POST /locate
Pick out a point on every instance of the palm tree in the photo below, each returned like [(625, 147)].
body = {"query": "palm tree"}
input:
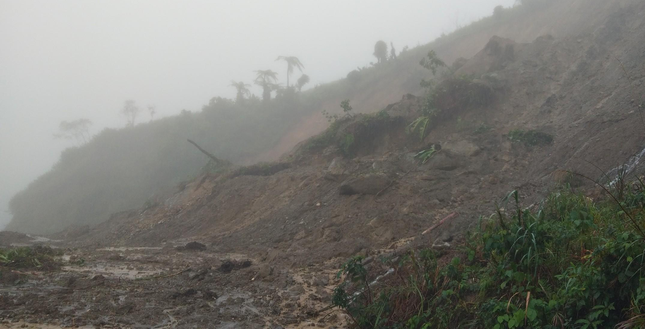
[(242, 90), (266, 79), (292, 61)]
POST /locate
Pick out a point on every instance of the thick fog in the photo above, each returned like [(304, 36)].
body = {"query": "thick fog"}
[(67, 60)]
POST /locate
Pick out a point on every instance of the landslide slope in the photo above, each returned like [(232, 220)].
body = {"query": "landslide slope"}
[(123, 169), (359, 187)]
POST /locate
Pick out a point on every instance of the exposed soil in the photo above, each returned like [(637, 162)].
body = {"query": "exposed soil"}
[(273, 236)]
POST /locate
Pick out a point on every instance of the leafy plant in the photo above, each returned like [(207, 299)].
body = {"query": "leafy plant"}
[(571, 263), (425, 155), (29, 257)]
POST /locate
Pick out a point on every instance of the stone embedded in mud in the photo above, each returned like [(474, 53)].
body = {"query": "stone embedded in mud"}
[(337, 166), (229, 265), (444, 161), (192, 246), (462, 147), (365, 184)]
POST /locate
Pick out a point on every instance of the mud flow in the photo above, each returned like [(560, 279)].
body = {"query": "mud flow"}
[(154, 287)]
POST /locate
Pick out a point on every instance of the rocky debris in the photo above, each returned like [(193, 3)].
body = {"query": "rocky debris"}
[(229, 265), (192, 246), (337, 169), (444, 160), (365, 184), (462, 147)]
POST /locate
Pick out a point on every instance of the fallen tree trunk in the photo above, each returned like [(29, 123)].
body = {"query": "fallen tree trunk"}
[(214, 158)]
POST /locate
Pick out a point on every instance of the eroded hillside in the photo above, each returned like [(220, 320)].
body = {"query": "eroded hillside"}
[(124, 169), (512, 117)]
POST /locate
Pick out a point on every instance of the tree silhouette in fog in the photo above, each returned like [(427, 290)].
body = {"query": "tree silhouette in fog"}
[(130, 111), (292, 62), (77, 130), (242, 90), (380, 51), (303, 80), (266, 79)]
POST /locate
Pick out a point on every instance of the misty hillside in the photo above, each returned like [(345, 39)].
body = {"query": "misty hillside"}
[(493, 178), (123, 169)]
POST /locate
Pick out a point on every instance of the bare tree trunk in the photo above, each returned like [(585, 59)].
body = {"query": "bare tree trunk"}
[(218, 161)]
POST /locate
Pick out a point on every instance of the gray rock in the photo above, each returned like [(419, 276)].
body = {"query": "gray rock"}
[(365, 184), (444, 161), (464, 148)]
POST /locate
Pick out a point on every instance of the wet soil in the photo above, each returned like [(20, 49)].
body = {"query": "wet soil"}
[(166, 288)]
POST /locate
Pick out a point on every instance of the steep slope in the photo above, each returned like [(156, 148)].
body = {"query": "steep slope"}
[(337, 195), (126, 168), (385, 84), (275, 234)]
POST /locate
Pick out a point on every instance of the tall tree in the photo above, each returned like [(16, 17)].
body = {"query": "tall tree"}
[(242, 90), (266, 79), (292, 62), (392, 51), (77, 130), (130, 111), (303, 80), (152, 110), (380, 51)]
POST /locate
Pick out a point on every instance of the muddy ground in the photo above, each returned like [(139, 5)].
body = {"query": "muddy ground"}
[(167, 287)]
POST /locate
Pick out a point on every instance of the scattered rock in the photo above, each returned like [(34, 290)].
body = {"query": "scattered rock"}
[(462, 147), (192, 246), (186, 293), (337, 166), (365, 184), (444, 161), (229, 265)]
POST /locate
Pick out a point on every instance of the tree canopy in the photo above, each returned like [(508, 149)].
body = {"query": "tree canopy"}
[(380, 51)]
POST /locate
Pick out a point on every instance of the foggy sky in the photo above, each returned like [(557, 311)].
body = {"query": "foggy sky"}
[(65, 60)]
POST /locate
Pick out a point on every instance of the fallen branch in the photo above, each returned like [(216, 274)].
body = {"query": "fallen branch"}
[(454, 214), (218, 161)]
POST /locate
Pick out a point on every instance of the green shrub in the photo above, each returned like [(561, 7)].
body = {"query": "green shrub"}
[(572, 263), (29, 258)]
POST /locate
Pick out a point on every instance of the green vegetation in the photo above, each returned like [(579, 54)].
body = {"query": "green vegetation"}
[(446, 99), (349, 132), (29, 258), (426, 154), (571, 263), (530, 137)]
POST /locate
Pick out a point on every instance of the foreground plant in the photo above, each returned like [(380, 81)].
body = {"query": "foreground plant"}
[(571, 263)]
